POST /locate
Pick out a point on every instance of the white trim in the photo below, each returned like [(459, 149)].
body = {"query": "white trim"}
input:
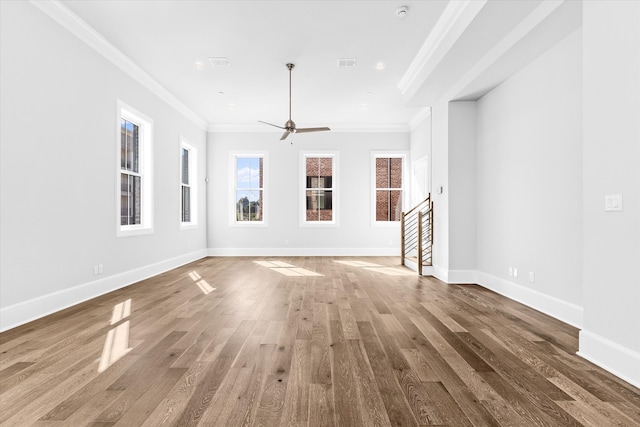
[(145, 125), (441, 273), (562, 310), (193, 184), (81, 29), (27, 311), (463, 277), (262, 128), (233, 175), (420, 117), (527, 25), (232, 252), (335, 189), (454, 20), (606, 353)]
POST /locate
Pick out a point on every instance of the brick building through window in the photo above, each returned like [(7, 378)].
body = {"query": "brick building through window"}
[(389, 188), (319, 188)]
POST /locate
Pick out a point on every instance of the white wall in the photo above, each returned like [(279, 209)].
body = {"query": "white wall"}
[(462, 185), (440, 178), (611, 165), (420, 148), (58, 172), (529, 175), (354, 234)]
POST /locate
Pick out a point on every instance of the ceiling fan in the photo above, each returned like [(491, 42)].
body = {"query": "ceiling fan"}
[(290, 127)]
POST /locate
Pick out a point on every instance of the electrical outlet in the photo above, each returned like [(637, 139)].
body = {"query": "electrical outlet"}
[(515, 272), (100, 269), (532, 276), (510, 271), (95, 270)]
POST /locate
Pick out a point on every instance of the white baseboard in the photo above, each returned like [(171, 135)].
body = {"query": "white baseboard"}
[(554, 307), (303, 252), (463, 277), (441, 273), (606, 353), (27, 311)]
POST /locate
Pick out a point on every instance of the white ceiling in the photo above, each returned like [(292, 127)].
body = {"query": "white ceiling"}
[(166, 38)]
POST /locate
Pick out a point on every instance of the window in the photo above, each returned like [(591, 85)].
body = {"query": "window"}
[(248, 188), (389, 189), (135, 172), (319, 188), (188, 188)]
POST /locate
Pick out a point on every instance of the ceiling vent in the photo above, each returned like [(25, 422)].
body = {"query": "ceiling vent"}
[(346, 62), (220, 62)]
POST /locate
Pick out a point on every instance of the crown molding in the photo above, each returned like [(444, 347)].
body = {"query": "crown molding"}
[(454, 20), (525, 27), (421, 116), (260, 128), (81, 29)]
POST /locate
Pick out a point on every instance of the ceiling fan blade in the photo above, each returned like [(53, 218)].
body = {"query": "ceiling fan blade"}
[(303, 130), (284, 135), (271, 124)]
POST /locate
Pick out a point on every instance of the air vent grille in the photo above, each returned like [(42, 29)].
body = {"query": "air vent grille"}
[(220, 62), (346, 62)]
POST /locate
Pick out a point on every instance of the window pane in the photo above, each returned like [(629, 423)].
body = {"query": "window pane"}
[(388, 205), (395, 202), (382, 172), (319, 181), (136, 202), (129, 146), (249, 172), (395, 172), (123, 144), (186, 204), (130, 199), (319, 205), (124, 199), (185, 166), (249, 205), (326, 166)]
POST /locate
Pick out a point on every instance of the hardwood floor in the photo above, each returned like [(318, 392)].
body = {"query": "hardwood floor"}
[(303, 341)]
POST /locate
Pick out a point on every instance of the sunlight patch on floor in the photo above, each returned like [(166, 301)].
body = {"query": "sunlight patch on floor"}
[(358, 263), (378, 268), (116, 345), (286, 268), (121, 311), (202, 284)]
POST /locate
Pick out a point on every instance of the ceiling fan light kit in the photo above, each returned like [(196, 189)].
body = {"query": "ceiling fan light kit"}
[(290, 126)]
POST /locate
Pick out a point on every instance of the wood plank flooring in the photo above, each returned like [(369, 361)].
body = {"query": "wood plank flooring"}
[(303, 341)]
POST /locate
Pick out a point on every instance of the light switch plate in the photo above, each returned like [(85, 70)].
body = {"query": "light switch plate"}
[(613, 203)]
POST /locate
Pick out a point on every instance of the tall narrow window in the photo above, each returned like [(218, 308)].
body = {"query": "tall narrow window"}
[(319, 188), (188, 188), (389, 187), (130, 174), (249, 188), (135, 172)]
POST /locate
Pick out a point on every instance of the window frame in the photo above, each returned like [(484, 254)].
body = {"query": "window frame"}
[(192, 184), (335, 188), (404, 155), (145, 160), (233, 188)]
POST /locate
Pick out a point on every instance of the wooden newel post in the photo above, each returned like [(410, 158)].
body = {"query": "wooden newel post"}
[(420, 243), (402, 240)]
